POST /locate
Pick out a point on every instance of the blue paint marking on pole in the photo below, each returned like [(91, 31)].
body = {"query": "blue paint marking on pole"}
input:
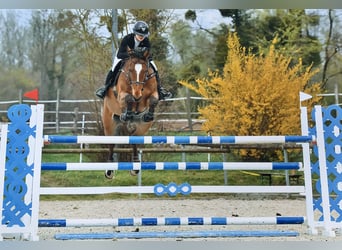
[(159, 139), (52, 223), (285, 165), (149, 222), (172, 221), (298, 138), (171, 166), (219, 221), (196, 221), (62, 139), (290, 220), (126, 222), (54, 166)]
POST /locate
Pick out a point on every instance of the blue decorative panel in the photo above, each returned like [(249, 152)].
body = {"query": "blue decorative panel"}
[(15, 207), (332, 119)]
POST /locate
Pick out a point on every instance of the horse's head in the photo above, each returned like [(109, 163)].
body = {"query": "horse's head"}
[(138, 71)]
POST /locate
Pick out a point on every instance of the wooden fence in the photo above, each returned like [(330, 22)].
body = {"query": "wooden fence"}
[(84, 116)]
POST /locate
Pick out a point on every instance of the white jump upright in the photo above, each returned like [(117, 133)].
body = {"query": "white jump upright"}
[(328, 166), (20, 174), (3, 148)]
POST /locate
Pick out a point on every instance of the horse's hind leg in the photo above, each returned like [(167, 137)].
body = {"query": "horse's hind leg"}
[(109, 174), (108, 125), (135, 158)]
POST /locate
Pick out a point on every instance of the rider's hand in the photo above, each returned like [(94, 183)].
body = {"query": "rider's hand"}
[(140, 51), (131, 52)]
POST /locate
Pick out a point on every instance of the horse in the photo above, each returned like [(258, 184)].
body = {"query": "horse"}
[(129, 110)]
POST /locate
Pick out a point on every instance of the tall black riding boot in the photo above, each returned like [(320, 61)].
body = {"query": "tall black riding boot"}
[(101, 92), (162, 92)]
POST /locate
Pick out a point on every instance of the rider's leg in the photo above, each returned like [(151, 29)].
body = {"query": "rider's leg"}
[(101, 92), (162, 92)]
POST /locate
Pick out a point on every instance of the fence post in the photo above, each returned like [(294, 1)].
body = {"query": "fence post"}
[(188, 109), (336, 94), (20, 96), (57, 111), (286, 159), (75, 120)]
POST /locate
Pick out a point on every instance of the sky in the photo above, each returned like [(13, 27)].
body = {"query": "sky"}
[(208, 18)]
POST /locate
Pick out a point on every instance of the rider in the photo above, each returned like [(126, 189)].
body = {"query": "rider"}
[(137, 39)]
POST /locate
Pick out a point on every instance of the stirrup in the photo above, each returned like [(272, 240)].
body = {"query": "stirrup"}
[(164, 94), (100, 92)]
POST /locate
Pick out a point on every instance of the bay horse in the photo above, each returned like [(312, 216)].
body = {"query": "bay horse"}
[(129, 110)]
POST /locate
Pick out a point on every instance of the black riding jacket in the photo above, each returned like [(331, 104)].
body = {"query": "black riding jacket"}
[(128, 41)]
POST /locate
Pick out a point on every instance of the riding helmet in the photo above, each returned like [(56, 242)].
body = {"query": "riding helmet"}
[(141, 28)]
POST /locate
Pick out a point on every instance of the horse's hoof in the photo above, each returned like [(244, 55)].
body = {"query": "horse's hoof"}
[(124, 117), (148, 118), (109, 174), (131, 127), (134, 172)]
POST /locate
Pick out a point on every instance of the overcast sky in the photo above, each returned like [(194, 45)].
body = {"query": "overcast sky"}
[(208, 18)]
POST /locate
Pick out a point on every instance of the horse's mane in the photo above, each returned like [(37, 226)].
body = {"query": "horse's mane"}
[(139, 52)]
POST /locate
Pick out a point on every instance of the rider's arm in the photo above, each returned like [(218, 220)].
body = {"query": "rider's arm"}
[(122, 52), (146, 43)]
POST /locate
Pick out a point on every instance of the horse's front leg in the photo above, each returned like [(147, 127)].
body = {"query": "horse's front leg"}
[(127, 113), (149, 116)]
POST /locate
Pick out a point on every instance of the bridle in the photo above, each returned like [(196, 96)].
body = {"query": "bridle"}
[(138, 66)]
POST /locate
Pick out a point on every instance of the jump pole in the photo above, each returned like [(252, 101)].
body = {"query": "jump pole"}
[(178, 234), (177, 139), (170, 192), (171, 221), (62, 166)]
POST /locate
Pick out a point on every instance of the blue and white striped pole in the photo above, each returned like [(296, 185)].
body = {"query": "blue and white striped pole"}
[(177, 139), (63, 166), (170, 221)]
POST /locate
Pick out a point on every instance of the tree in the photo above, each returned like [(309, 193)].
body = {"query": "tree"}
[(331, 68), (294, 31), (13, 41), (192, 59), (51, 50), (242, 25), (256, 95), (94, 57), (15, 67), (14, 79)]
